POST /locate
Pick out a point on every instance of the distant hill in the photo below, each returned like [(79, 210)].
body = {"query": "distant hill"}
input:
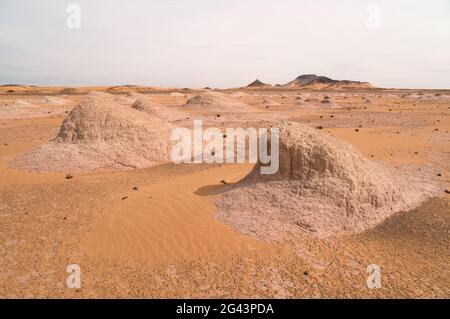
[(258, 84), (320, 82)]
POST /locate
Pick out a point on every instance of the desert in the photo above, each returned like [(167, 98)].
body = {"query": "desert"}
[(86, 178), (197, 158)]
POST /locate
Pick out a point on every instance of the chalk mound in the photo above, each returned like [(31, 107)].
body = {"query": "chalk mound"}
[(150, 106), (177, 94), (217, 102), (17, 109), (299, 102), (52, 100), (18, 104), (324, 187), (29, 109), (100, 133)]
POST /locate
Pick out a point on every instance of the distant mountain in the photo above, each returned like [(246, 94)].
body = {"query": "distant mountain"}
[(317, 81), (258, 84)]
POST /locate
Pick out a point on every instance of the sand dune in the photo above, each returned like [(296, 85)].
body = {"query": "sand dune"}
[(169, 221)]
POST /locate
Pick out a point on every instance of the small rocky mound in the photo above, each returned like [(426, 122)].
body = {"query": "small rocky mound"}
[(100, 133), (324, 187), (18, 104), (324, 103), (148, 105), (270, 103), (217, 102), (313, 100), (328, 103), (366, 100), (30, 109), (52, 100)]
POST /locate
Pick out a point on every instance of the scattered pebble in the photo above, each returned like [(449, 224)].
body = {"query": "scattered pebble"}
[(123, 198), (68, 176)]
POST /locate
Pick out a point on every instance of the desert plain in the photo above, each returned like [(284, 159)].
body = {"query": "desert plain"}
[(141, 229)]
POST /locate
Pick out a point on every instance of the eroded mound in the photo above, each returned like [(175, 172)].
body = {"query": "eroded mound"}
[(150, 106), (324, 187), (100, 133), (33, 108), (217, 102)]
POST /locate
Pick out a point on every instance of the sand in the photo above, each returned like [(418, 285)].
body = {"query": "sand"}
[(148, 218), (163, 240)]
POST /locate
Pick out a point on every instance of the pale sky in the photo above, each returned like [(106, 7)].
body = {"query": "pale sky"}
[(225, 43)]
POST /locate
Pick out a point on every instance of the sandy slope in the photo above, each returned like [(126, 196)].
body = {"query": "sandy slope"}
[(168, 221)]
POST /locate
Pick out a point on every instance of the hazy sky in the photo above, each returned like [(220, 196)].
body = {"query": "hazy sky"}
[(225, 43)]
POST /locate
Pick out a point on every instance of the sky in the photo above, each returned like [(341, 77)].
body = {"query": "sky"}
[(225, 43)]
